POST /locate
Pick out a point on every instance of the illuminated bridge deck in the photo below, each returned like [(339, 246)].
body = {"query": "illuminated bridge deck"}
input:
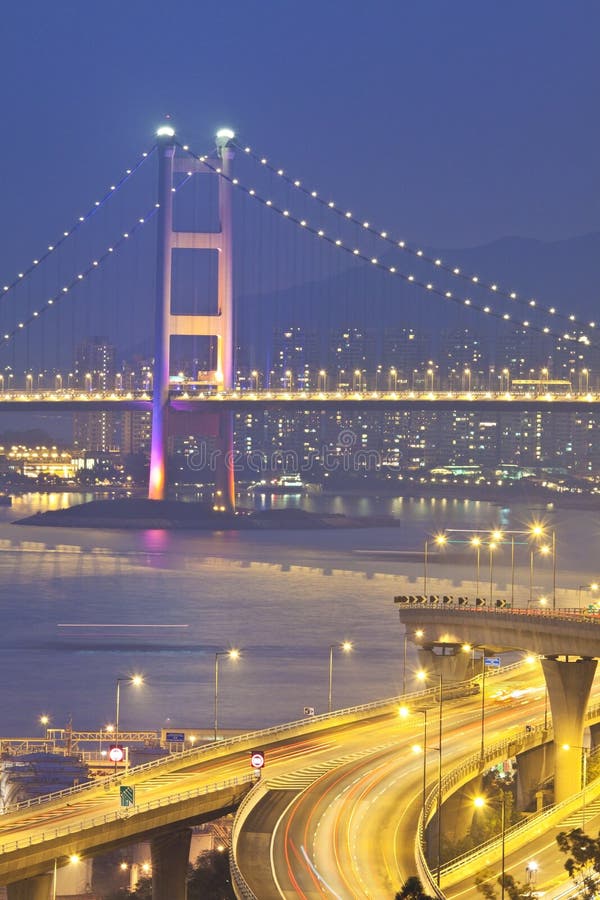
[(388, 401)]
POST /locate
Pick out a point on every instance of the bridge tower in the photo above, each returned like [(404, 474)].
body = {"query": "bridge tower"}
[(167, 324)]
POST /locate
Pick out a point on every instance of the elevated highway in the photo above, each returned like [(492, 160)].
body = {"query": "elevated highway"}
[(549, 633), (347, 828), (358, 766), (171, 794), (567, 641)]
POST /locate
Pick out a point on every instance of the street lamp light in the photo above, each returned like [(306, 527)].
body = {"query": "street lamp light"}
[(423, 676), (345, 647), (231, 654), (479, 803), (136, 681)]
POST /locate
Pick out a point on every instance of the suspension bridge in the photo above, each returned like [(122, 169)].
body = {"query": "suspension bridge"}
[(176, 312)]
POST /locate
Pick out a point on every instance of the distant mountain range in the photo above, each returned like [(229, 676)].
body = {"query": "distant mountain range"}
[(565, 274)]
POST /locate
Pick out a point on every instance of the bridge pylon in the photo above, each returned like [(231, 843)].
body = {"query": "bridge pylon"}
[(168, 324)]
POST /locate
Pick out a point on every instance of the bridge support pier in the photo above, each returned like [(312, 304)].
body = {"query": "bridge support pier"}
[(37, 888), (225, 471), (450, 661), (569, 684), (533, 767), (170, 854)]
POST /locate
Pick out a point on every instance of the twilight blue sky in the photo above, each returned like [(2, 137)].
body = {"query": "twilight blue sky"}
[(454, 121)]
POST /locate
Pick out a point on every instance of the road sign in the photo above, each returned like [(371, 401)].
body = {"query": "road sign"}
[(493, 661), (127, 795), (175, 737), (309, 710), (257, 759), (116, 753)]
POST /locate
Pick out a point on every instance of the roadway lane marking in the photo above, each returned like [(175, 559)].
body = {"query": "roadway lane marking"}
[(272, 846), (319, 876)]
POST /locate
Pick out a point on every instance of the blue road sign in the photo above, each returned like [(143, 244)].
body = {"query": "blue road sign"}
[(493, 661), (175, 737)]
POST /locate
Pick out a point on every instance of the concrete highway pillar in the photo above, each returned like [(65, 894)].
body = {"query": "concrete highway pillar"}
[(38, 888), (452, 663), (569, 685), (533, 768), (170, 854)]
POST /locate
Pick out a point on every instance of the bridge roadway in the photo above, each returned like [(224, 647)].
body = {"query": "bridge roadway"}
[(191, 787), (67, 401), (346, 827)]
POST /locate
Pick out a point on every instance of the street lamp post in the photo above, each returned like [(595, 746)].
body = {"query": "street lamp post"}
[(588, 587), (476, 542), (422, 675), (553, 569), (583, 769), (480, 802), (423, 712), (512, 571), (440, 540), (491, 548), (136, 680), (73, 859), (346, 647), (531, 576), (482, 750), (232, 654)]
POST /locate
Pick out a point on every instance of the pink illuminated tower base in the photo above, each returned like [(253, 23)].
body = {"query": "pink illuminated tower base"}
[(219, 325)]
